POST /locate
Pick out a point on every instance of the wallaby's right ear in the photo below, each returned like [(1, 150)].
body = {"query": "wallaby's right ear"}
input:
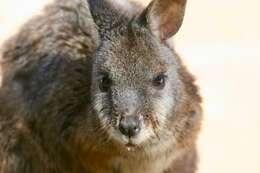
[(163, 17)]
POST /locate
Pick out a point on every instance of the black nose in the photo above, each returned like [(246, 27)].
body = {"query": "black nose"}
[(130, 126)]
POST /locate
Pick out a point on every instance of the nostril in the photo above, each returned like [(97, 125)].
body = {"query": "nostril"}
[(136, 130), (129, 126)]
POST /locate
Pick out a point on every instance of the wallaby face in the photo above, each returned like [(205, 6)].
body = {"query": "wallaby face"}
[(135, 85), (135, 82)]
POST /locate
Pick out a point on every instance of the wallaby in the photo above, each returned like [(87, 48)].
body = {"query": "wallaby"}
[(94, 86)]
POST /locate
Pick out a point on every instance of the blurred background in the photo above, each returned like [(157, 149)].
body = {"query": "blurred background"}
[(220, 43)]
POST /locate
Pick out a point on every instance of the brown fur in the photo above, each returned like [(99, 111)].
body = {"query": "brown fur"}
[(53, 116)]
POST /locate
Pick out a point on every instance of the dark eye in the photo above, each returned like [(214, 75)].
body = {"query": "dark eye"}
[(105, 83), (159, 81)]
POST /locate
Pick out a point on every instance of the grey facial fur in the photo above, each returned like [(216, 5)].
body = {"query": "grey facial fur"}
[(131, 72)]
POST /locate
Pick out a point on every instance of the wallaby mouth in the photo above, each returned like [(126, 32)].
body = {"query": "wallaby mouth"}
[(131, 131), (130, 146)]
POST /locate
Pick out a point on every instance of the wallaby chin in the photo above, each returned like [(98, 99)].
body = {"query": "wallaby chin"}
[(93, 86)]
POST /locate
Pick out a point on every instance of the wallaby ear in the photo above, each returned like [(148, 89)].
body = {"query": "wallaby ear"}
[(163, 17)]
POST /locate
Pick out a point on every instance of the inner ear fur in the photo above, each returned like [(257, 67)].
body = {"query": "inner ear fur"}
[(163, 17)]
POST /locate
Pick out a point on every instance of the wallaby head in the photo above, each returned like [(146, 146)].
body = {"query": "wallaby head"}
[(136, 85)]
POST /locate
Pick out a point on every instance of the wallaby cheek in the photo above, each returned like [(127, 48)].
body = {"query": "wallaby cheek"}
[(162, 107), (100, 104)]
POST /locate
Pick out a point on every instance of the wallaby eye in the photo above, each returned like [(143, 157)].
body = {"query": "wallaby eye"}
[(159, 81), (105, 83)]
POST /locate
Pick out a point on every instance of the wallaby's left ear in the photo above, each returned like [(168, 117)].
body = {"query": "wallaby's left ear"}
[(163, 17)]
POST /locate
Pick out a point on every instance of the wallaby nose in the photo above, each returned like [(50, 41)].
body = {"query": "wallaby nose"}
[(129, 126)]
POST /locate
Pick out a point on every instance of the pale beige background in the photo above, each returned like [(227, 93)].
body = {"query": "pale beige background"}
[(220, 43)]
